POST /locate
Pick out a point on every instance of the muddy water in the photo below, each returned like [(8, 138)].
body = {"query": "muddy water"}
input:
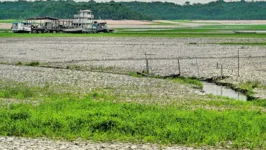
[(211, 88)]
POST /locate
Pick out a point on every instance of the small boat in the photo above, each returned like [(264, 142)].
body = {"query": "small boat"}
[(21, 27)]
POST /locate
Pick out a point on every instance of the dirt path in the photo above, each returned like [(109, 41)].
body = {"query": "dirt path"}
[(5, 25)]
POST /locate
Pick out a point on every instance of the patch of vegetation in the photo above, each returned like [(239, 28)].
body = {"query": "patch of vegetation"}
[(16, 90), (75, 67), (180, 79), (244, 43), (235, 27), (137, 34), (72, 117), (33, 63), (188, 80), (20, 90), (5, 30), (162, 23), (134, 74), (9, 20), (19, 63), (248, 86), (94, 116)]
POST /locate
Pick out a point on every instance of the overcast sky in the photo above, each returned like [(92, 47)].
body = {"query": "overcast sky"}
[(174, 1)]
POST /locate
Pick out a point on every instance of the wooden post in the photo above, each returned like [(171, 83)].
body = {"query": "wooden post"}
[(238, 63), (147, 63), (221, 71), (179, 70)]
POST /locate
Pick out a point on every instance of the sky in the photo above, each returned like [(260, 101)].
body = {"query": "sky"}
[(174, 1)]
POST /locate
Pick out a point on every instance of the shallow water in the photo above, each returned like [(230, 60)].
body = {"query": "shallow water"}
[(218, 90)]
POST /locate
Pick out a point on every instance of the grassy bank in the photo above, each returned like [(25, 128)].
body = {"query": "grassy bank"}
[(10, 21), (93, 116), (183, 80), (73, 118)]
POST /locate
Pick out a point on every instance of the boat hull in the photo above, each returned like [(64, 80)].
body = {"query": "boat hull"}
[(20, 31), (74, 30)]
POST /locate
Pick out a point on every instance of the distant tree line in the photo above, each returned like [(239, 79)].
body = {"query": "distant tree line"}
[(217, 10)]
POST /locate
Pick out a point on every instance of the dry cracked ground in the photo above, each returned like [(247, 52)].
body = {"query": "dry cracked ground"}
[(199, 57), (83, 65)]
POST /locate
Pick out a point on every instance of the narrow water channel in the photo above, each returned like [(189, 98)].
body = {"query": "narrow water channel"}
[(218, 90)]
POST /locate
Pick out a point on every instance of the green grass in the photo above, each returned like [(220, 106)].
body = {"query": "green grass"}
[(9, 21), (182, 21), (19, 91), (162, 23), (186, 80), (33, 63), (95, 117), (72, 117), (177, 30), (182, 80), (137, 34), (5, 30), (235, 27), (244, 43), (249, 86), (134, 74), (88, 119)]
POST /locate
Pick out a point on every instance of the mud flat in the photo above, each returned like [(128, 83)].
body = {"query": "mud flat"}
[(145, 90), (127, 54)]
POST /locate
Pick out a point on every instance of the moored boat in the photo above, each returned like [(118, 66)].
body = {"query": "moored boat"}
[(21, 27)]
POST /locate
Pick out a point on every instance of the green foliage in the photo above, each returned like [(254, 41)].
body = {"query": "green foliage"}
[(9, 21), (214, 10), (135, 10), (187, 80), (134, 74), (234, 27), (33, 63), (65, 9), (248, 86), (19, 91), (244, 43), (88, 119), (96, 117), (182, 80), (137, 34)]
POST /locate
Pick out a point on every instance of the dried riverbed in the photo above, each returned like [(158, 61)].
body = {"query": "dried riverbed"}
[(126, 54), (81, 65)]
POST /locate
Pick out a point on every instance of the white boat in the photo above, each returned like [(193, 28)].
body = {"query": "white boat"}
[(21, 27)]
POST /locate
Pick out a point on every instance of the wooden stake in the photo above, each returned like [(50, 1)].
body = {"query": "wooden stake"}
[(179, 70), (147, 63), (221, 71)]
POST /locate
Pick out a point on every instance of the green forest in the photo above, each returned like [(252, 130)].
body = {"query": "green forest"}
[(216, 10)]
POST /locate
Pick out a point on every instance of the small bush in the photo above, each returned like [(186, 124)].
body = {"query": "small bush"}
[(19, 63), (34, 63)]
